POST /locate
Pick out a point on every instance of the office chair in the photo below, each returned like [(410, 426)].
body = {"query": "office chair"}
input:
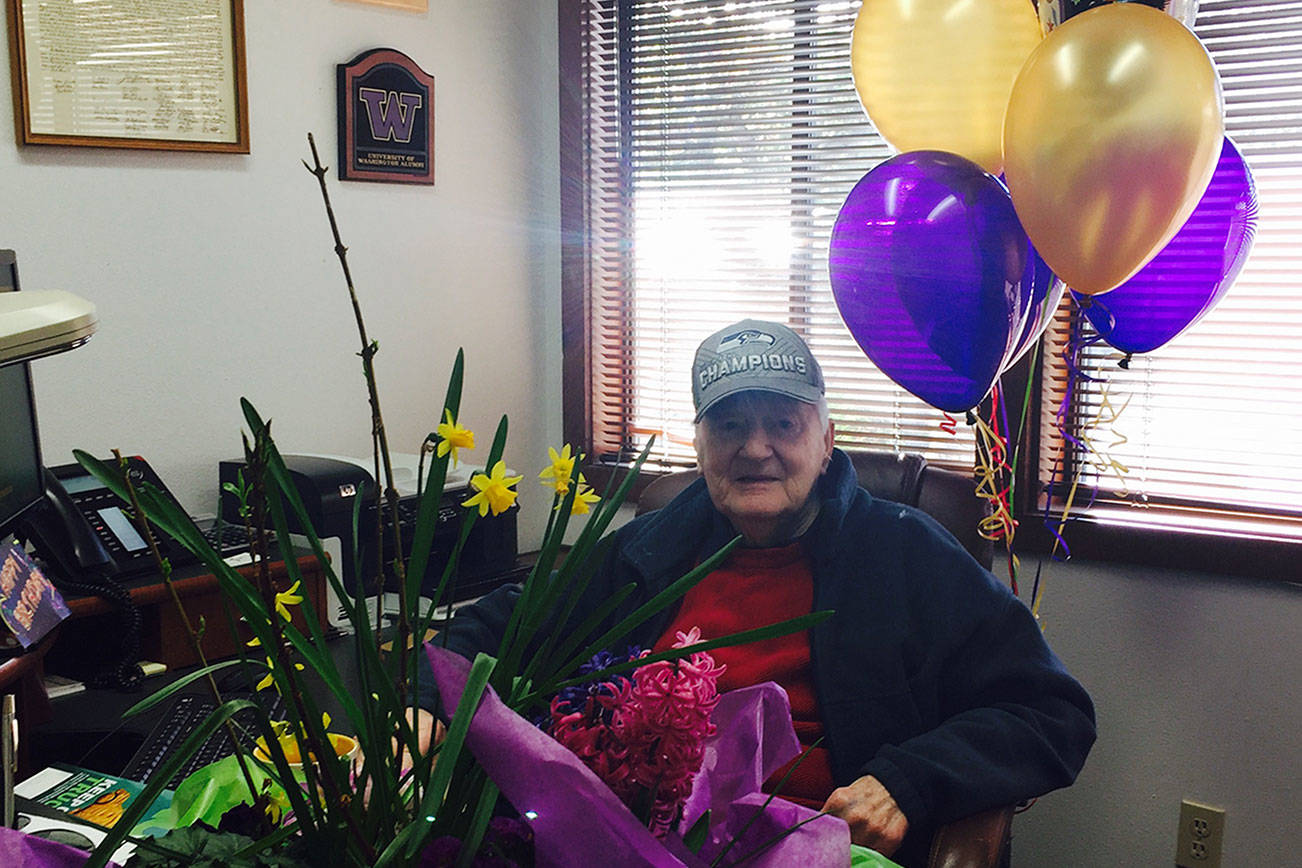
[(982, 840)]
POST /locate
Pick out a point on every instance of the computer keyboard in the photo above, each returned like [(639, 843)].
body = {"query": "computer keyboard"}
[(227, 539), (187, 712)]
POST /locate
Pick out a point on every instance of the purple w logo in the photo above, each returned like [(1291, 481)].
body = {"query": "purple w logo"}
[(392, 115)]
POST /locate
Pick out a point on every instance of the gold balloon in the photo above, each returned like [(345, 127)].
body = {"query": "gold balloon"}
[(1112, 133), (935, 74)]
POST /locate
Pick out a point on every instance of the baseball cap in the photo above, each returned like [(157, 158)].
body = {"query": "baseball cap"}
[(754, 355)]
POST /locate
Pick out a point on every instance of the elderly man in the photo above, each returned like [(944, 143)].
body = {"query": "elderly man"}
[(932, 689)]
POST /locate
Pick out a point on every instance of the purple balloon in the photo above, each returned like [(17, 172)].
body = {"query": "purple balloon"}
[(928, 264), (1193, 271)]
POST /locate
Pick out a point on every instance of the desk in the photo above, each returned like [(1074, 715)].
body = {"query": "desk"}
[(163, 635), (87, 729), (20, 675)]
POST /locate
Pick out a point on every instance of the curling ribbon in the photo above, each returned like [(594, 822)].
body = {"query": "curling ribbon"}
[(1101, 458), (1091, 453), (950, 425), (999, 422), (990, 463)]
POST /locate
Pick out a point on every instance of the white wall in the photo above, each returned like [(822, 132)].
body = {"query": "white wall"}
[(215, 276), (1196, 680)]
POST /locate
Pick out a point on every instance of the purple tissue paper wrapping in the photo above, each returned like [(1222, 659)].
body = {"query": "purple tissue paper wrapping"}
[(18, 850), (574, 814)]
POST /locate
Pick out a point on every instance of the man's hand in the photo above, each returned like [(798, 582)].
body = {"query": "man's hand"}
[(875, 820), (429, 732)]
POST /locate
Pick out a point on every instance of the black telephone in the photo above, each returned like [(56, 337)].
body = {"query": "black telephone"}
[(83, 530), (89, 543)]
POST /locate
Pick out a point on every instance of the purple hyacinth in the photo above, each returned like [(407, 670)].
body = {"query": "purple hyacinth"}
[(574, 699)]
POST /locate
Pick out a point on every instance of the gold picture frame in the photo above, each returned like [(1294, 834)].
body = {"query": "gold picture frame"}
[(98, 74), (409, 5)]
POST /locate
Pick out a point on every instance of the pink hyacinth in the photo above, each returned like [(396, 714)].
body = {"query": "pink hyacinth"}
[(646, 734), (664, 718)]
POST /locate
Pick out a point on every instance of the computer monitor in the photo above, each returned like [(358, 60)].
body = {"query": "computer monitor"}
[(20, 447)]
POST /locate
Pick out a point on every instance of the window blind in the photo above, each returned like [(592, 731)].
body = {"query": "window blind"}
[(1212, 421), (721, 139)]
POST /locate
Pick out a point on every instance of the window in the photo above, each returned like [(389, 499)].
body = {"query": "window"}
[(719, 142), (707, 147), (1210, 431)]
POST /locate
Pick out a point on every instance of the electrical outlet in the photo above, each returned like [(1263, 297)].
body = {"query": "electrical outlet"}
[(1198, 840)]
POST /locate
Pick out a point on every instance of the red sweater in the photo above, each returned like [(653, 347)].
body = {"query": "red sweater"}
[(754, 588)]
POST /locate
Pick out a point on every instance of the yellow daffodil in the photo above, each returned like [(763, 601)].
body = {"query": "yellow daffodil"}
[(494, 490), (288, 598), (453, 437), (559, 473), (584, 498), (273, 808), (267, 680)]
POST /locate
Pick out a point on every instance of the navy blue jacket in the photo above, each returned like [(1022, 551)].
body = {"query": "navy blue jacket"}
[(931, 676)]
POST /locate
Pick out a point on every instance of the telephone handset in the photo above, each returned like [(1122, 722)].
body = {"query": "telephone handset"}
[(85, 531), (63, 538)]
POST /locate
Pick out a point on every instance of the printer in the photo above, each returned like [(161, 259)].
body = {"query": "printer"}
[(330, 487)]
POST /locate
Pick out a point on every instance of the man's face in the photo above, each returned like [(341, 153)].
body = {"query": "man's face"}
[(760, 454)]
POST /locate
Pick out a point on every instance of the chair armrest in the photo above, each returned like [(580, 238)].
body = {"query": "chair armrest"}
[(978, 841)]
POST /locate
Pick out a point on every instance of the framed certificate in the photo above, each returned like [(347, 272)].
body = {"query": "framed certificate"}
[(162, 74)]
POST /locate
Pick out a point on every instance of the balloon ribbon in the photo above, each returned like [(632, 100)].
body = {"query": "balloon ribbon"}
[(994, 481), (1091, 452)]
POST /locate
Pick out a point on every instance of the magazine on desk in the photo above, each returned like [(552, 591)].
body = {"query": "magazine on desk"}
[(90, 796)]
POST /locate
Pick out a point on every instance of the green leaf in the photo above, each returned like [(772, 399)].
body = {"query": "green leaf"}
[(584, 629), (570, 580), (695, 837), (200, 847), (405, 845), (164, 692), (432, 495), (478, 825), (660, 601)]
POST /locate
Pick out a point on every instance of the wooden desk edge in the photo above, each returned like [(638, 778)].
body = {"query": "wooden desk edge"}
[(187, 586)]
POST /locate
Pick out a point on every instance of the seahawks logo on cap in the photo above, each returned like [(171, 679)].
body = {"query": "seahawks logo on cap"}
[(737, 340)]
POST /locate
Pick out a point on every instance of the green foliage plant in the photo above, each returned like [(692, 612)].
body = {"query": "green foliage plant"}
[(397, 799)]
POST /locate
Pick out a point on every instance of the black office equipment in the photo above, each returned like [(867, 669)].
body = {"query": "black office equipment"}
[(331, 488), (20, 447), (185, 713), (82, 501)]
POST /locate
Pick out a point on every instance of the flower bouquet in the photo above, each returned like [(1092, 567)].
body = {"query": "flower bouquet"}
[(709, 810), (401, 802)]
